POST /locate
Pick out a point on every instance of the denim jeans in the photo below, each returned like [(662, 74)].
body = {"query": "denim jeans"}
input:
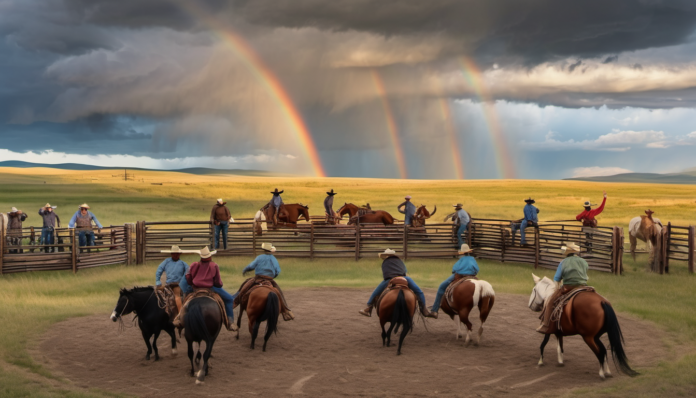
[(228, 299), (411, 285), (86, 238), (521, 226), (460, 231), (222, 227), (184, 286), (47, 238), (441, 292)]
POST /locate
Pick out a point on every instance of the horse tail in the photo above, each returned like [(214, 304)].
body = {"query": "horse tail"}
[(194, 321), (400, 315), (611, 324), (270, 315)]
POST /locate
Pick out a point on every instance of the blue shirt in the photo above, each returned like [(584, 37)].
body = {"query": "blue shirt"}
[(277, 200), (530, 213), (409, 211), (91, 217), (463, 217), (265, 264), (465, 266), (175, 271)]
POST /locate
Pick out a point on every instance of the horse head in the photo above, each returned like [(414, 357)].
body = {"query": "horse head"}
[(124, 305), (543, 288), (304, 210)]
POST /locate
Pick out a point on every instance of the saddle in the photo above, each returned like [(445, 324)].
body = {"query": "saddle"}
[(166, 300), (209, 293), (258, 282), (566, 300), (449, 292), (396, 283)]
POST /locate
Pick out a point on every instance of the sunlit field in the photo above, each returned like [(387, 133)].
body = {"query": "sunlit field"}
[(30, 303)]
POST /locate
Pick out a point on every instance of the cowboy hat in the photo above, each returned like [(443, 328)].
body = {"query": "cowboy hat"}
[(276, 192), (84, 206), (174, 250), (47, 206), (387, 253), (457, 205), (14, 210), (530, 200), (407, 197), (206, 253), (268, 247), (570, 247), (332, 193), (219, 200), (465, 249), (588, 204)]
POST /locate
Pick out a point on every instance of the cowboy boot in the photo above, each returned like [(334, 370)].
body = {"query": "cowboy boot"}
[(367, 311), (233, 326), (288, 315), (426, 313)]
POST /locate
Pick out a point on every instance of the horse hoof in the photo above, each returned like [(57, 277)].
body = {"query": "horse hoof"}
[(147, 357), (174, 352), (156, 359), (198, 382)]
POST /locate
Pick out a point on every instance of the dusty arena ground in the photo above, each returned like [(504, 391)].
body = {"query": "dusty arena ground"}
[(330, 350)]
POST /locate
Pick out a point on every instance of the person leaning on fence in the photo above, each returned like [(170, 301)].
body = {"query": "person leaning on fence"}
[(220, 217), (392, 266), (588, 220), (275, 203), (51, 221), (463, 219), (82, 222), (328, 206), (530, 220), (176, 270), (409, 210), (465, 267), (14, 229)]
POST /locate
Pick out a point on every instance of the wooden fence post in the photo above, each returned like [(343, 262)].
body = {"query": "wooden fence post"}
[(614, 248), (469, 229), (502, 242), (128, 235), (537, 247), (357, 241), (405, 249), (692, 238), (622, 241), (311, 242), (75, 248), (665, 247), (2, 242), (253, 237)]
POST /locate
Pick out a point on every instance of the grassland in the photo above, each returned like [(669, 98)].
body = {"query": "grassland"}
[(30, 303)]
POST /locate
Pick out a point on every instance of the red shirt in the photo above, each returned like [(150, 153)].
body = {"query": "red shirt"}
[(204, 274), (589, 215)]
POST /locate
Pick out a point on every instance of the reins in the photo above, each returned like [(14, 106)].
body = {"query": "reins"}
[(121, 325)]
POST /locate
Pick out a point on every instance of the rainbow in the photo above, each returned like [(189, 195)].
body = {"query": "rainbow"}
[(268, 80), (451, 133), (474, 78), (391, 124)]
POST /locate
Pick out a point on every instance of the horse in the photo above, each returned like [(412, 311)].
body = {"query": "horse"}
[(151, 318), (421, 215), (397, 307), (351, 209), (202, 322), (263, 305), (589, 315), (467, 295), (288, 215), (647, 229)]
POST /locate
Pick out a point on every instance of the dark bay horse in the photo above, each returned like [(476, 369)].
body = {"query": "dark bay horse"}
[(263, 305), (467, 295), (202, 323), (351, 209), (588, 315), (397, 307), (151, 318), (421, 215)]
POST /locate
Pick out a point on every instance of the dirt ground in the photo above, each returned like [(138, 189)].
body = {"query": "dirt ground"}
[(331, 350)]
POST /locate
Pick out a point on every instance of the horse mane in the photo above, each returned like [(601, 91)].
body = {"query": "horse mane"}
[(135, 289)]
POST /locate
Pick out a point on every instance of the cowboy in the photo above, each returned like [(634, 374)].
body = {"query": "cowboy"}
[(50, 221), (83, 220), (220, 217), (328, 206), (461, 216), (15, 218), (465, 267), (573, 272), (266, 267), (205, 274), (587, 217), (175, 269), (276, 202), (408, 211), (392, 266), (530, 219)]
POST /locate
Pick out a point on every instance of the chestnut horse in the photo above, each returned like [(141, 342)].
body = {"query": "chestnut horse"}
[(469, 294), (647, 229), (397, 307), (288, 216), (589, 315), (421, 215), (351, 209), (263, 305)]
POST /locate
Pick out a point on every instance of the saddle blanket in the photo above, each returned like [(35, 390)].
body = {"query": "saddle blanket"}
[(397, 283), (258, 282), (449, 292), (211, 295)]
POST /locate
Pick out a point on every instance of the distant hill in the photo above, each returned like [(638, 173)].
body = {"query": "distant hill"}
[(685, 177), (191, 170)]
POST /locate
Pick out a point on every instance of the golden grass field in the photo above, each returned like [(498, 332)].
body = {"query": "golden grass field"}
[(30, 303)]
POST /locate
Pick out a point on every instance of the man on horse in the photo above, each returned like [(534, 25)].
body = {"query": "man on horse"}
[(328, 207), (573, 272), (175, 269), (408, 211), (276, 202), (392, 266), (205, 274), (530, 219), (461, 216), (466, 267), (265, 267)]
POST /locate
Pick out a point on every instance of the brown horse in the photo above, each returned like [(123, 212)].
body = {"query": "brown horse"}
[(263, 305), (397, 307), (421, 215), (589, 315), (288, 216), (351, 209), (371, 217), (647, 229), (467, 295)]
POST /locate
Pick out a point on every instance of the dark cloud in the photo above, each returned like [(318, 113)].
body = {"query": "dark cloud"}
[(610, 59), (572, 67)]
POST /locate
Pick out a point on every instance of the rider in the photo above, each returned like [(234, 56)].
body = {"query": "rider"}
[(265, 267), (409, 211), (328, 205), (573, 272), (275, 203), (530, 218), (392, 266), (205, 274), (463, 217), (465, 267), (175, 269)]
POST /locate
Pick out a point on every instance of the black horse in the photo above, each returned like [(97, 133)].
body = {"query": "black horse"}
[(202, 322), (151, 318)]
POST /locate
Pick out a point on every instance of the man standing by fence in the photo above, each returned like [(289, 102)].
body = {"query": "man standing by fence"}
[(530, 219), (408, 211), (50, 222), (220, 217), (462, 217), (14, 229), (82, 221), (328, 207), (588, 220)]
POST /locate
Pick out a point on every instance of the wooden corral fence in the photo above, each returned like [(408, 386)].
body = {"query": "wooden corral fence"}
[(22, 251), (676, 243)]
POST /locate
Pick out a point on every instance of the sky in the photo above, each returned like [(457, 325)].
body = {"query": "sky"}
[(443, 89)]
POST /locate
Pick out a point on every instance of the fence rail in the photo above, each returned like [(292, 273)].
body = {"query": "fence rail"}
[(676, 243)]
